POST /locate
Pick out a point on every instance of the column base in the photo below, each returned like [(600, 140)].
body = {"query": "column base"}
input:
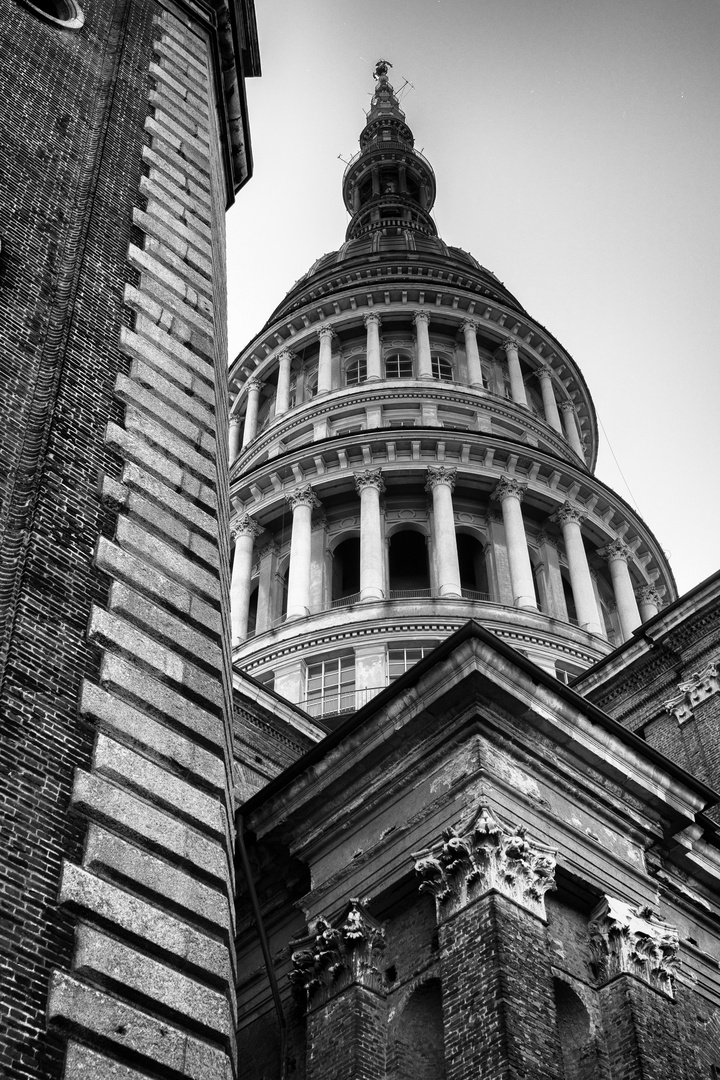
[(369, 595), (527, 603)]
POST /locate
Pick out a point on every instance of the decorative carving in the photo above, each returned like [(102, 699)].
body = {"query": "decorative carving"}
[(440, 475), (510, 345), (336, 956), (544, 371), (567, 513), (319, 520), (235, 421), (700, 686), (304, 496), (286, 355), (616, 549), (244, 525), (325, 330), (469, 327), (542, 537), (648, 594), (461, 868), (566, 406), (369, 478), (271, 548), (508, 487), (254, 385), (372, 317), (634, 941), (421, 317)]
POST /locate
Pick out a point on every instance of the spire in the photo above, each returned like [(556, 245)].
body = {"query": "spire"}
[(388, 186)]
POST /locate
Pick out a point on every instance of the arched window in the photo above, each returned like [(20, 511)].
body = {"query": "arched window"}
[(474, 578), (311, 382), (252, 612), (398, 365), (293, 391), (578, 1045), (408, 559), (356, 372), (346, 570), (420, 1045), (65, 13), (441, 368)]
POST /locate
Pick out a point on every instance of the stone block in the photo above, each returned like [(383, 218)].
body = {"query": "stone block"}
[(82, 1063), (83, 1007), (155, 348), (181, 256), (166, 523), (178, 53), (189, 149), (119, 717), (122, 910), (161, 190), (190, 115), (136, 538), (174, 632), (125, 765), (177, 423), (195, 133), (132, 447), (152, 981), (170, 154), (172, 289), (181, 508), (164, 833), (164, 172), (109, 854)]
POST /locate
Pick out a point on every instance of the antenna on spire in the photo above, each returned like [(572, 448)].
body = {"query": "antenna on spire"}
[(346, 161), (399, 93)]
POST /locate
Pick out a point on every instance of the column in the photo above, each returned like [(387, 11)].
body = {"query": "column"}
[(517, 386), (475, 378), (374, 360), (301, 502), (244, 532), (324, 384), (254, 386), (441, 482), (282, 396), (233, 438), (421, 319), (268, 586), (545, 377), (617, 554), (572, 433), (370, 485), (570, 519), (648, 599), (509, 493)]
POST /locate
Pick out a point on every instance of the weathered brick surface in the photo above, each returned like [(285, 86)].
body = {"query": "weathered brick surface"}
[(347, 1037)]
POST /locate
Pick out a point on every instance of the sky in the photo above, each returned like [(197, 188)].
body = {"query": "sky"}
[(576, 147)]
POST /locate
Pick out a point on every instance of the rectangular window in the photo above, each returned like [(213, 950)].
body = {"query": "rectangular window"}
[(330, 686), (401, 659)]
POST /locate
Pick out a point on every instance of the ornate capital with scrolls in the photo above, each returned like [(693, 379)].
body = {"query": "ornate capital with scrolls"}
[(304, 496), (510, 344), (235, 421), (244, 525), (508, 487), (440, 475), (634, 941), (338, 955), (648, 594), (542, 537), (568, 513), (566, 406), (421, 317), (468, 326), (369, 478), (616, 549), (461, 868), (286, 354), (325, 330), (543, 371), (271, 548), (700, 686), (372, 317), (253, 386)]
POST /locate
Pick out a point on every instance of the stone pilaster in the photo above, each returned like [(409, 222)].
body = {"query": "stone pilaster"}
[(509, 493)]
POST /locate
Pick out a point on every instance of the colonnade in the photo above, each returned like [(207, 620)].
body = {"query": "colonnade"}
[(567, 426), (633, 607)]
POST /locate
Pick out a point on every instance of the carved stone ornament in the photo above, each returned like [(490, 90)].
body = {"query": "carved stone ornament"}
[(566, 406), (544, 371), (304, 496), (372, 317), (542, 537), (245, 526), (325, 330), (489, 856), (254, 385), (235, 421), (700, 686), (469, 327), (421, 317), (507, 487), (369, 478), (630, 940), (616, 549), (319, 520), (510, 345), (567, 513), (648, 594), (440, 475), (271, 548), (286, 355), (339, 955)]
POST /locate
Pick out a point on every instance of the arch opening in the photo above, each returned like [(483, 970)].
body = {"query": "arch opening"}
[(408, 564)]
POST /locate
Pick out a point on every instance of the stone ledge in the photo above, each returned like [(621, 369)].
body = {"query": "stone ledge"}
[(134, 537), (154, 348), (163, 417), (132, 447), (197, 343)]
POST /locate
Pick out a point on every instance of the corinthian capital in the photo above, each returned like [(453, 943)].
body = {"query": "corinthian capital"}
[(544, 371), (567, 513), (373, 318), (464, 866), (440, 475), (325, 330), (508, 487), (244, 525), (369, 478), (566, 406), (338, 955), (286, 355), (421, 317), (253, 386), (304, 496), (616, 549), (633, 940), (510, 344), (648, 594), (468, 326)]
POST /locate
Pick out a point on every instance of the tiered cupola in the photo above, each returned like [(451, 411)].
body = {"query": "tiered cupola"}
[(411, 449)]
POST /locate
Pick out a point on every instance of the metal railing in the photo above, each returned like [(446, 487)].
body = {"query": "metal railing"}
[(409, 594)]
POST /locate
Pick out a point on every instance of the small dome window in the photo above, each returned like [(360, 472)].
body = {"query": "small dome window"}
[(356, 372), (65, 13), (442, 368), (398, 366)]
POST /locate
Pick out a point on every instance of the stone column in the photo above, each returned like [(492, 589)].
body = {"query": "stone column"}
[(489, 885), (552, 416), (441, 482), (254, 386), (282, 395), (617, 554), (421, 319), (548, 548), (509, 492), (570, 519), (475, 378), (233, 438), (301, 502), (649, 602), (244, 532), (373, 362), (268, 591), (324, 383), (337, 975), (517, 386), (572, 433), (370, 485)]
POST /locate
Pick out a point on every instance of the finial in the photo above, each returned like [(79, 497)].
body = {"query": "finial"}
[(381, 69)]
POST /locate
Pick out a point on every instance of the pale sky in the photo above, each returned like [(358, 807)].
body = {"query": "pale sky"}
[(576, 147)]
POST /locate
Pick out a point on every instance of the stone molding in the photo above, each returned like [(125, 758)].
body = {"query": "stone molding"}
[(509, 487), (304, 496), (369, 478), (568, 513), (700, 686), (244, 526), (489, 856), (338, 955), (440, 475), (633, 941)]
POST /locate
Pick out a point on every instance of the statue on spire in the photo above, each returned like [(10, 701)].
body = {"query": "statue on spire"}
[(381, 69)]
